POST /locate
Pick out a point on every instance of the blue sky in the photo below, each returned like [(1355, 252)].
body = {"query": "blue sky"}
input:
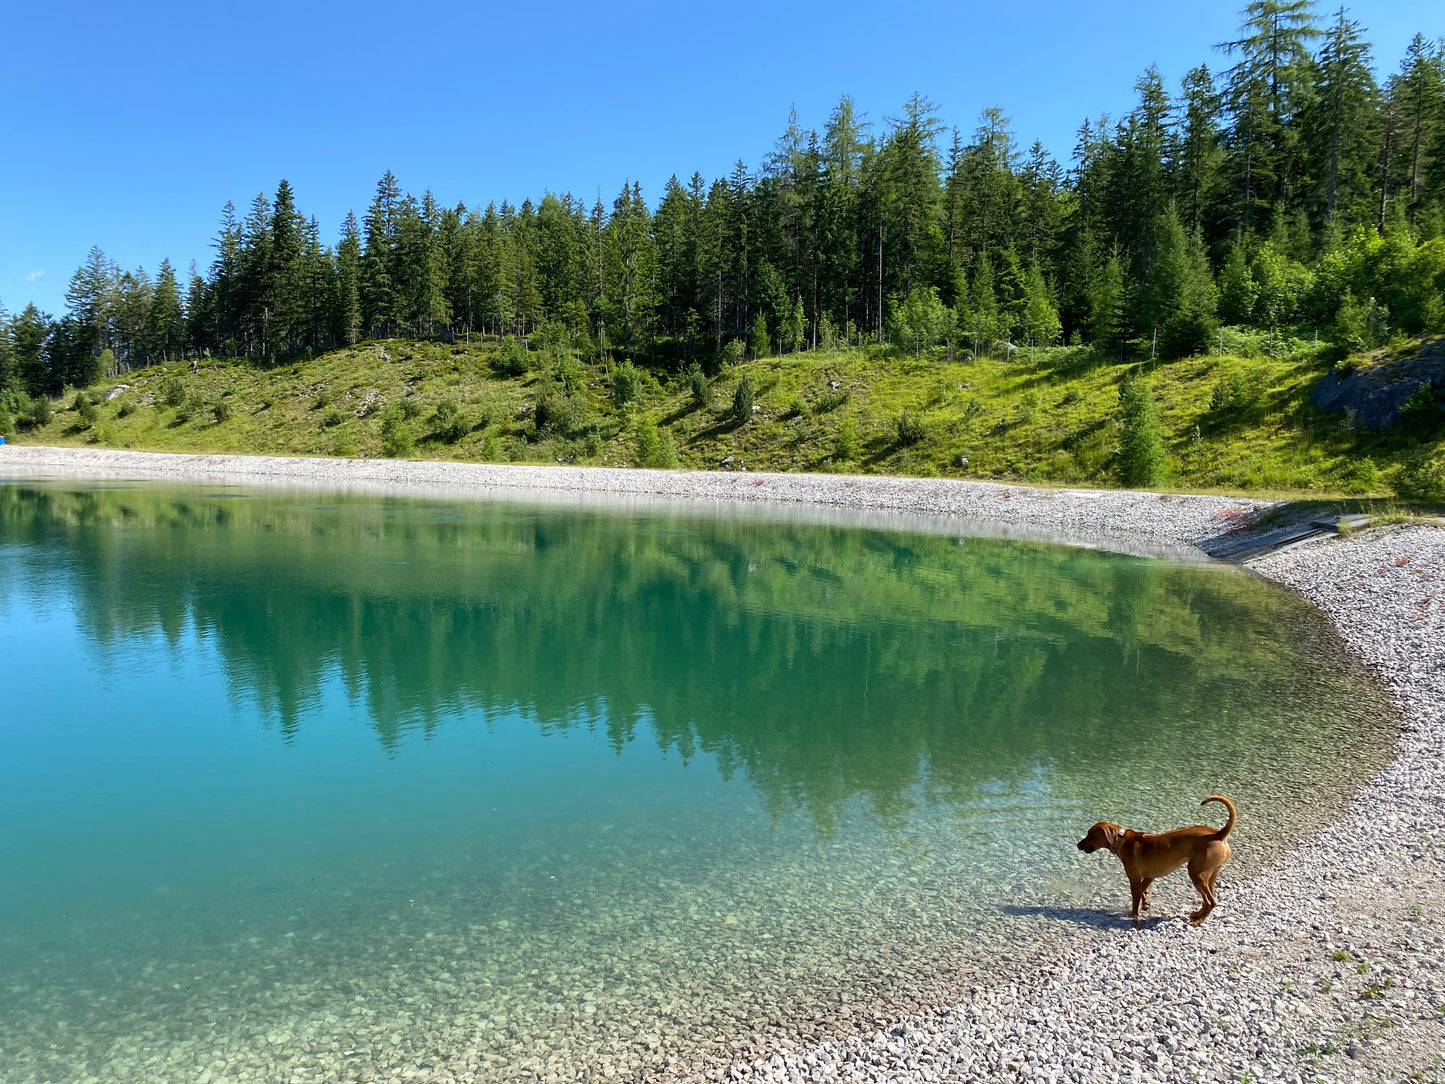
[(130, 125)]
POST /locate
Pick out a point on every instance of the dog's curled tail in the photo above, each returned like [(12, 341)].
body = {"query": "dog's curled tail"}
[(1229, 824)]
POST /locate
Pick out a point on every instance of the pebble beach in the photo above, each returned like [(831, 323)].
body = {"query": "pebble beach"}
[(1328, 965)]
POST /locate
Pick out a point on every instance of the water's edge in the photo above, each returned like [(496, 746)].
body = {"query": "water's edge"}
[(1139, 523)]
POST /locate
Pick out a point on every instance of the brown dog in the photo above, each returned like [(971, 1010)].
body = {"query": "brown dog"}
[(1148, 857)]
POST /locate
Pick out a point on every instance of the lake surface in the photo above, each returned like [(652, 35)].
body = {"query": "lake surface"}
[(352, 788)]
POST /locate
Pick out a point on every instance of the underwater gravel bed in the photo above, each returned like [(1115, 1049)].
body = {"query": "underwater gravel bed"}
[(1329, 964)]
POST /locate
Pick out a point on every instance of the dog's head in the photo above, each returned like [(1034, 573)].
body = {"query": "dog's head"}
[(1103, 836)]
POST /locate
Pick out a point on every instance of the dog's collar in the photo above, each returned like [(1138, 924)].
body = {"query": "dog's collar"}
[(1118, 842)]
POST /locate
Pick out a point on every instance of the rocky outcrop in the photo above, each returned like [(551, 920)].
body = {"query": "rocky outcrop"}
[(1376, 393)]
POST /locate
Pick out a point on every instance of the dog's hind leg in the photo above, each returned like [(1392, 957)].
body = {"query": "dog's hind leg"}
[(1204, 883)]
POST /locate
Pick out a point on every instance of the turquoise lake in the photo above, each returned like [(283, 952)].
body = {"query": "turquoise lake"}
[(326, 787)]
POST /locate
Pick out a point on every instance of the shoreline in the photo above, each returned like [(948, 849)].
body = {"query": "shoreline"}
[(1328, 964)]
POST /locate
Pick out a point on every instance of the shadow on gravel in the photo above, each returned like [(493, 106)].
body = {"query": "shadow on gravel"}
[(1084, 916)]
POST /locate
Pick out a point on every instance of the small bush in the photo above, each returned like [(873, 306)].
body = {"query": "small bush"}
[(735, 352), (1420, 478), (333, 419), (7, 423), (1423, 409), (1238, 394), (832, 401), (448, 422), (84, 411), (345, 446), (221, 412), (396, 438), (909, 430), (193, 405), (126, 409), (37, 412), (410, 409), (570, 376), (655, 447), (173, 392), (322, 401), (743, 397), (558, 412), (626, 385), (512, 359), (847, 443), (796, 409), (699, 388)]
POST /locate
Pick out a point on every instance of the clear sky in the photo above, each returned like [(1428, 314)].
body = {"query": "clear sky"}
[(129, 125)]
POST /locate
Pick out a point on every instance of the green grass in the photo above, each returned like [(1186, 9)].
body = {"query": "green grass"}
[(1232, 423)]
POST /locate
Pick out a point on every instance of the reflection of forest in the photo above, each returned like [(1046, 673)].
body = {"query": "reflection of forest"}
[(824, 663)]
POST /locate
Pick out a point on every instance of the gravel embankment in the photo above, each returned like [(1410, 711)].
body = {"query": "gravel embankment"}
[(1328, 966)]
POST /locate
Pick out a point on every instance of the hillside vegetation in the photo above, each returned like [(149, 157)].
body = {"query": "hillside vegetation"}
[(1232, 422)]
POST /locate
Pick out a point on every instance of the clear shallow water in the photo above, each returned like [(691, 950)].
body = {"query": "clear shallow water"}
[(300, 789)]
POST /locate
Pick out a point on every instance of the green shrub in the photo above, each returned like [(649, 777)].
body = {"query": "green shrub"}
[(735, 352), (221, 412), (1420, 478), (344, 447), (847, 443), (1238, 394), (333, 419), (322, 401), (699, 388), (126, 409), (37, 412), (570, 376), (743, 397), (796, 409), (7, 423), (1423, 409), (173, 392), (1139, 460), (558, 412), (396, 438), (626, 385), (411, 409), (448, 423), (512, 359), (831, 401), (84, 411), (909, 430), (655, 447)]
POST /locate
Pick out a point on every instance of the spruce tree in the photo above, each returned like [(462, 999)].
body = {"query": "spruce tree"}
[(1140, 459)]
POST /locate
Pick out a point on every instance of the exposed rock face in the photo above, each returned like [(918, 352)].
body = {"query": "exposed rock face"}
[(1377, 393)]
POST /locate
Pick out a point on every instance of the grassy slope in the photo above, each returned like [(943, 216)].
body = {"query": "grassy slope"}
[(1049, 420)]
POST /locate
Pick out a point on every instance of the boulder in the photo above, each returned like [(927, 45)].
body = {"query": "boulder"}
[(1377, 392)]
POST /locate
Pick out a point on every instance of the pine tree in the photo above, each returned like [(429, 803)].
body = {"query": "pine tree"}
[(1199, 154), (30, 364), (378, 294), (1041, 318), (1338, 123), (1106, 306), (1181, 299), (1140, 459), (1264, 91), (165, 320)]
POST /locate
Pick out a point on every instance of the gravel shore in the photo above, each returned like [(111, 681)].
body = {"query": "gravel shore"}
[(1330, 965)]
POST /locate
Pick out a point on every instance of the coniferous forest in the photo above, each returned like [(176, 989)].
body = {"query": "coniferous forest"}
[(1294, 185)]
